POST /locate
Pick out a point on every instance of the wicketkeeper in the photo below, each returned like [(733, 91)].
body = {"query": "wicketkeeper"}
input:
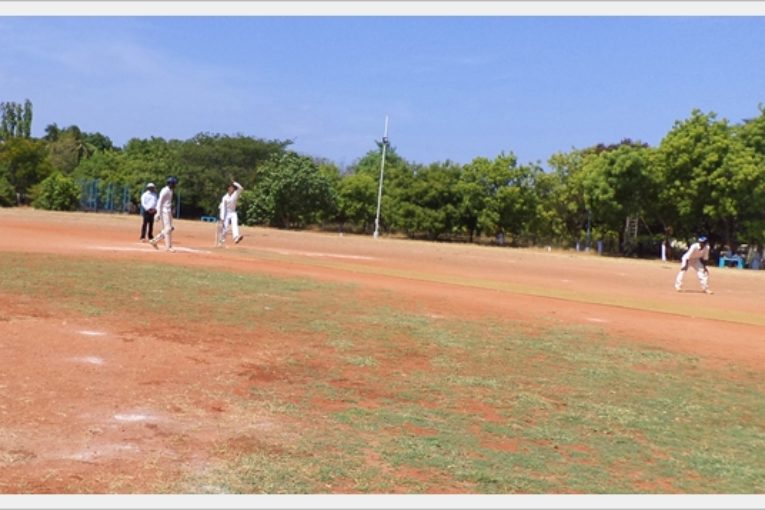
[(697, 256)]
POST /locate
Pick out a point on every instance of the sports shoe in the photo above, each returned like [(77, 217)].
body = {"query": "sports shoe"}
[(678, 288), (153, 242), (238, 239), (708, 291), (171, 250)]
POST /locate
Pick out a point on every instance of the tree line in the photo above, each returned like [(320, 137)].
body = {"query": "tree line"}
[(707, 175)]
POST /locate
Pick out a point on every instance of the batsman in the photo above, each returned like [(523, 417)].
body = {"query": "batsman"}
[(227, 213)]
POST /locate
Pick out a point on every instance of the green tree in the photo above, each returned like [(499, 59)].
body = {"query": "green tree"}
[(52, 132), (23, 163), (687, 158), (356, 200), (15, 120), (736, 207), (70, 147), (397, 176), (290, 192), (497, 196), (57, 192), (207, 162), (752, 132), (7, 194), (428, 205), (563, 198), (618, 182)]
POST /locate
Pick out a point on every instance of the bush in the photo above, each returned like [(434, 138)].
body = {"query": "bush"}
[(57, 193), (245, 202), (7, 194)]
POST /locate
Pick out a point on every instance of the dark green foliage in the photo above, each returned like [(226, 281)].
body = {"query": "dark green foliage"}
[(23, 163), (57, 193), (207, 163), (290, 192), (356, 200), (706, 176), (7, 194), (15, 120)]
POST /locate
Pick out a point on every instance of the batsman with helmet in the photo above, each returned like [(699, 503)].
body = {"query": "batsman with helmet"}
[(165, 208)]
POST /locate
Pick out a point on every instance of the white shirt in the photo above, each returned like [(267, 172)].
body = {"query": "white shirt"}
[(696, 252), (165, 202), (228, 202), (149, 200)]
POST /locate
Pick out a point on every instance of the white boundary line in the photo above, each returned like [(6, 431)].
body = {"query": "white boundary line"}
[(147, 249)]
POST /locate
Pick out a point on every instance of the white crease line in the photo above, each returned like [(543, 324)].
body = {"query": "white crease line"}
[(318, 254), (88, 332), (91, 360), (133, 417), (146, 249)]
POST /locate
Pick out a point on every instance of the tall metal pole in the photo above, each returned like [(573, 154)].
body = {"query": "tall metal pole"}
[(382, 171)]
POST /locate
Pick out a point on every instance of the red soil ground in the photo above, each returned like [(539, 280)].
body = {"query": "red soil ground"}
[(67, 432)]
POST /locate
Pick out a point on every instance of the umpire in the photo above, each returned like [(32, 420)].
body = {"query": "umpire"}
[(148, 211)]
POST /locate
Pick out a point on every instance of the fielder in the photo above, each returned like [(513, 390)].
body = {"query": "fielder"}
[(227, 213), (165, 208), (697, 256)]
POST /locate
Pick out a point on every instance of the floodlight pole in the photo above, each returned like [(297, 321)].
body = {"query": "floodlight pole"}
[(382, 170)]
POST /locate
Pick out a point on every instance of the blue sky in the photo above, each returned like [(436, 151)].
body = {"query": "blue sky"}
[(454, 87)]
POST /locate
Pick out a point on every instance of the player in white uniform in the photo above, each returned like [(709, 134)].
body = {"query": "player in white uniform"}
[(227, 212), (165, 208), (697, 256)]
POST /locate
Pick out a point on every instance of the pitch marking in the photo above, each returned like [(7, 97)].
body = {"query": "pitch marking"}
[(88, 332), (133, 417), (91, 360), (146, 249), (319, 254)]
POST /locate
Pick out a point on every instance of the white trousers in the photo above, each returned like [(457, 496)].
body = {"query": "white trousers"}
[(702, 275), (231, 220), (167, 229)]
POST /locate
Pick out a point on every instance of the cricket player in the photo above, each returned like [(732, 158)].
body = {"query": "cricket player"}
[(227, 211), (165, 208), (697, 256)]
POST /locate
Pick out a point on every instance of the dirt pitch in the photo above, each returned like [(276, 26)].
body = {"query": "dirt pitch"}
[(89, 405)]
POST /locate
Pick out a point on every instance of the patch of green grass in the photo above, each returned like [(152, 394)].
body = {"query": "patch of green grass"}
[(422, 405), (361, 361), (99, 287), (589, 414)]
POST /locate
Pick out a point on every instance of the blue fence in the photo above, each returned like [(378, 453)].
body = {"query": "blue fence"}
[(97, 195)]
